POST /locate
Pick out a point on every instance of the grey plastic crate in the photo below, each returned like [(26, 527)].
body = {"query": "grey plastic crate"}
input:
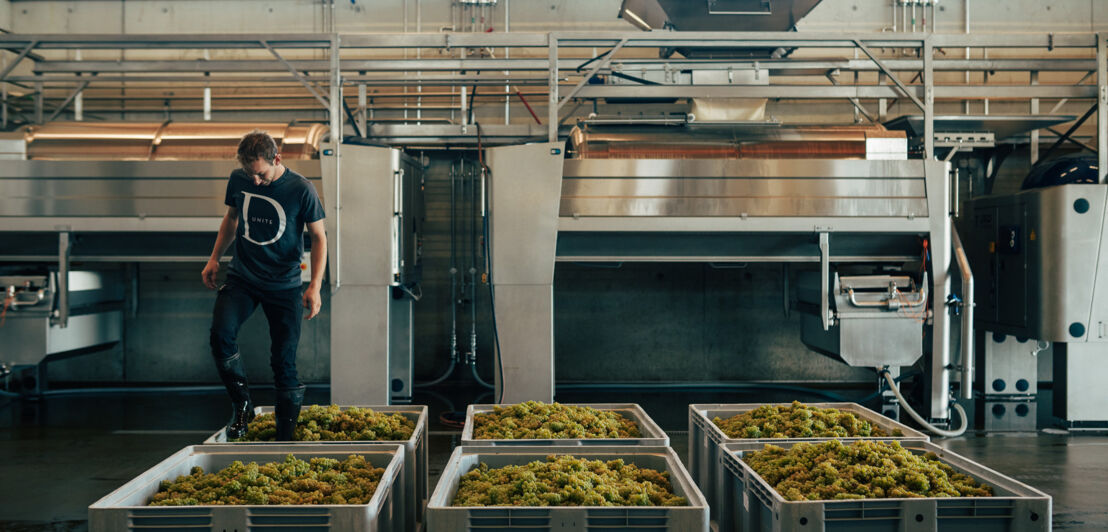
[(752, 505), (705, 438), (415, 475), (125, 508), (442, 517), (652, 433)]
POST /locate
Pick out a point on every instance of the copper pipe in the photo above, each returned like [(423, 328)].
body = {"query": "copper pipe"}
[(163, 141)]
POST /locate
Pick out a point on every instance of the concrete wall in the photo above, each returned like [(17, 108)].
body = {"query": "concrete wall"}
[(280, 16), (212, 16), (6, 14), (989, 16), (6, 24)]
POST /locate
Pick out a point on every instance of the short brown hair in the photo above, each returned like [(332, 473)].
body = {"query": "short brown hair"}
[(257, 145)]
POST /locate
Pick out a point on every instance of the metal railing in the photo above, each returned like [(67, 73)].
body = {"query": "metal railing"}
[(549, 65)]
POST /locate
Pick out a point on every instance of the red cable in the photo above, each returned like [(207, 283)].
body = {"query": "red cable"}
[(524, 100), (4, 312)]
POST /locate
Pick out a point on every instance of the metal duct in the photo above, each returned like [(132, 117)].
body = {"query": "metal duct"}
[(718, 15), (169, 141)]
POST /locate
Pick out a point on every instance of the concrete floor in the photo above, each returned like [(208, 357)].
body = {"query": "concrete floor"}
[(64, 452)]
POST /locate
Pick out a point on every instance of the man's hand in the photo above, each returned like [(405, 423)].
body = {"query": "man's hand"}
[(209, 273), (312, 301)]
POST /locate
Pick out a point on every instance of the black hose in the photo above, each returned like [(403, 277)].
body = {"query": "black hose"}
[(881, 386), (488, 269), (479, 380), (446, 374)]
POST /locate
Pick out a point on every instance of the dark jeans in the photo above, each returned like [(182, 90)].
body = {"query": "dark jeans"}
[(235, 303)]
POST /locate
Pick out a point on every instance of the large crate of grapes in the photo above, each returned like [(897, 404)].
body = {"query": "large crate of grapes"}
[(705, 437), (126, 508), (652, 434), (414, 480), (752, 505), (442, 516)]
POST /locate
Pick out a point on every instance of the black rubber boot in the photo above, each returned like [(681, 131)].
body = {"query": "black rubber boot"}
[(287, 411), (233, 375)]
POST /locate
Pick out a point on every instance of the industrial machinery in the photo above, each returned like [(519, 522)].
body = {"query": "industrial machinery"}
[(375, 256), (844, 198), (102, 195), (52, 314), (718, 15), (120, 193), (1042, 260)]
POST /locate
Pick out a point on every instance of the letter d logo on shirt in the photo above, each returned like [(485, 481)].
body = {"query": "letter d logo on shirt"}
[(246, 218)]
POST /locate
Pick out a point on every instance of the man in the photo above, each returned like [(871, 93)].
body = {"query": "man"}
[(268, 207)]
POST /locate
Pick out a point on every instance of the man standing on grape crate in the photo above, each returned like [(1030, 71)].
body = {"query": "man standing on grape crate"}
[(268, 207)]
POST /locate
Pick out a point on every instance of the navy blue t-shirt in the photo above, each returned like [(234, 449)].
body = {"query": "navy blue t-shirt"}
[(269, 241)]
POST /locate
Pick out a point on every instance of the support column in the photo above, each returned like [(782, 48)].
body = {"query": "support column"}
[(360, 244), (39, 96), (1102, 105), (552, 83), (362, 104), (207, 104), (1034, 133), (938, 208), (524, 195), (928, 54), (79, 98)]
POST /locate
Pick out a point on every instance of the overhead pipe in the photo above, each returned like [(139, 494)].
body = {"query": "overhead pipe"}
[(966, 8), (904, 15), (967, 315)]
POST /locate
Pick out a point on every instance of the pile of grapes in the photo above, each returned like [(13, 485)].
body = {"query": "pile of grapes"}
[(567, 481), (294, 481), (865, 469), (535, 420), (798, 421), (331, 423)]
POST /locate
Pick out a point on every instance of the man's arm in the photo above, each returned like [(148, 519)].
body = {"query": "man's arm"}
[(223, 241), (318, 234)]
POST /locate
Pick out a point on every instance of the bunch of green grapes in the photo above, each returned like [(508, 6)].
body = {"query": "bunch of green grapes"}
[(798, 421), (331, 423), (535, 420), (294, 481), (865, 469), (567, 481)]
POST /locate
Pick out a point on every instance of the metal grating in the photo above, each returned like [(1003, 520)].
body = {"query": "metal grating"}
[(976, 508), (862, 510), (297, 518), (494, 520), (636, 519), (170, 519), (758, 489)]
